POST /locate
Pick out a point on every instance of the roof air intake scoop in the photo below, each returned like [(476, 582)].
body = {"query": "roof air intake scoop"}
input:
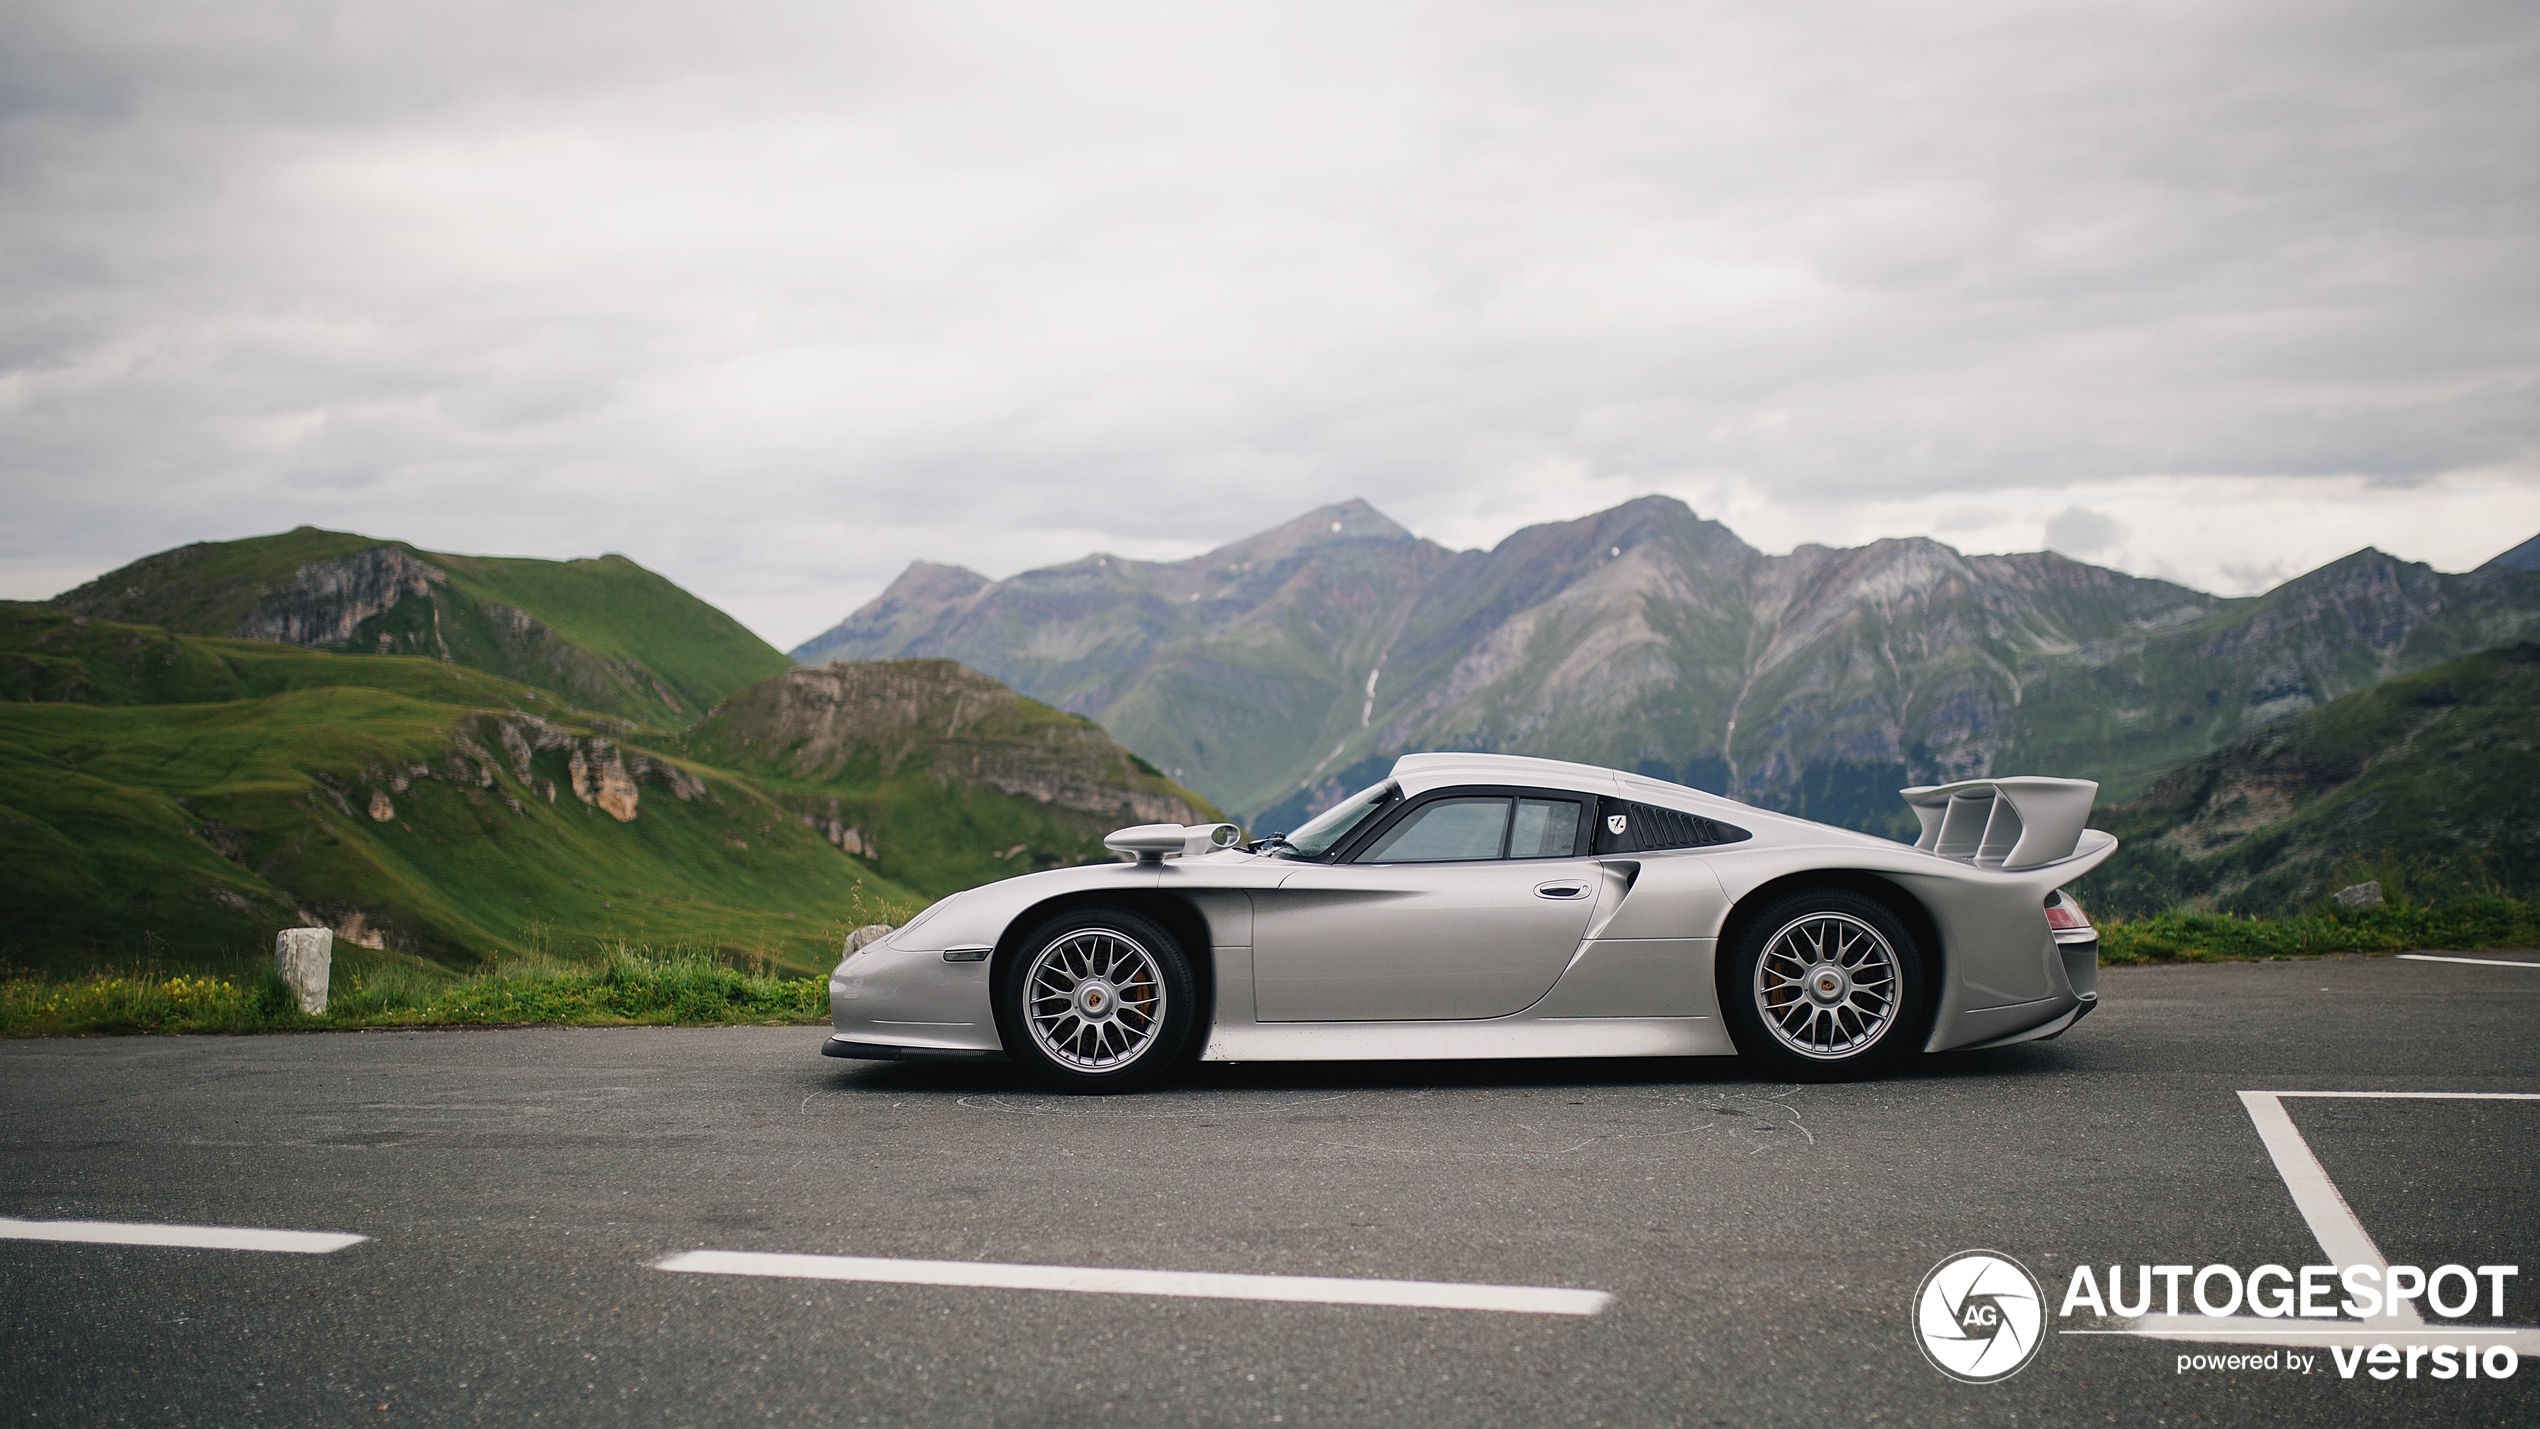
[(1153, 843)]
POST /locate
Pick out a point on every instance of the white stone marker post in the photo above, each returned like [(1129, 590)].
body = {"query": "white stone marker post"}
[(303, 956)]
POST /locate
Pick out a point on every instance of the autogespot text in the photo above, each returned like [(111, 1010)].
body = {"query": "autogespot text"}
[(2411, 1349)]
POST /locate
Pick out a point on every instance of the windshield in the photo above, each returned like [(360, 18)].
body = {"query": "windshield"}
[(1334, 824)]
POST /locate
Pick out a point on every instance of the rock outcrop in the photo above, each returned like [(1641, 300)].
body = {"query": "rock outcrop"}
[(325, 602), (880, 719)]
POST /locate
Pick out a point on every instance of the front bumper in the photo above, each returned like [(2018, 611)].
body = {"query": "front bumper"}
[(913, 1001)]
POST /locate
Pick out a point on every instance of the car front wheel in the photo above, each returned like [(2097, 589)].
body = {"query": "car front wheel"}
[(1824, 984), (1098, 1000)]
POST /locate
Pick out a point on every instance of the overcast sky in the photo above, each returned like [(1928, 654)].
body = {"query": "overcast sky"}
[(775, 298)]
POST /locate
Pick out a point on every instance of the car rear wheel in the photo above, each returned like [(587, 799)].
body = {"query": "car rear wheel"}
[(1823, 984), (1098, 1000)]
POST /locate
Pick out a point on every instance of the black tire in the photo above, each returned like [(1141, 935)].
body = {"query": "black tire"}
[(1069, 999), (1807, 1017)]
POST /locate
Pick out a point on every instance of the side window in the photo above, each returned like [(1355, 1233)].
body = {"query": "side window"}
[(1446, 831), (1545, 828)]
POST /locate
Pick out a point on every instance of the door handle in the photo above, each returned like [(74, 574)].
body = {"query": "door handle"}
[(1561, 888)]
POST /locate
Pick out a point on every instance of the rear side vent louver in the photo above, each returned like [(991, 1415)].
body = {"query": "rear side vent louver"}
[(2003, 823), (1648, 828)]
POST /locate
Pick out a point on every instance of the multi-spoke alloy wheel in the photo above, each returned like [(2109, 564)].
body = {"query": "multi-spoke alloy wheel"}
[(1823, 982), (1827, 985), (1095, 1000)]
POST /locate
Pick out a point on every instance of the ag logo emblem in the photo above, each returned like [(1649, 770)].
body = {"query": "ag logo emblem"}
[(1979, 1316), (1615, 823)]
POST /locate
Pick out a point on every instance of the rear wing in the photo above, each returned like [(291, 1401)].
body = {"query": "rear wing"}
[(2011, 824)]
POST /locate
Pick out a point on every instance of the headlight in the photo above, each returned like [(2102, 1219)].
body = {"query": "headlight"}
[(899, 938)]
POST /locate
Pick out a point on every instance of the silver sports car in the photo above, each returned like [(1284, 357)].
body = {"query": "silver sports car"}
[(1492, 906)]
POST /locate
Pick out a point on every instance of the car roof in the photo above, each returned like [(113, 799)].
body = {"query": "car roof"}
[(1418, 774)]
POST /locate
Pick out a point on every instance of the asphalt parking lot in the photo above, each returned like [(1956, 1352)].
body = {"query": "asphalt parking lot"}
[(1761, 1242)]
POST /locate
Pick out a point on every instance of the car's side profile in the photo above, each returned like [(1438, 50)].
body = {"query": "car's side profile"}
[(1498, 906)]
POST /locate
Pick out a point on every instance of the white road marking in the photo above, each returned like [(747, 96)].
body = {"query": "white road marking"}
[(2250, 1330), (2332, 1221), (2415, 1096), (1188, 1284), (2482, 962), (2340, 1234), (195, 1237)]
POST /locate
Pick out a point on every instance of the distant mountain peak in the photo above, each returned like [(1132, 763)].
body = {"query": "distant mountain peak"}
[(1351, 520), (931, 581), (2525, 557)]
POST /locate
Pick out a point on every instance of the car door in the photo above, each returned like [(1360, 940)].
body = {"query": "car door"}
[(1466, 903)]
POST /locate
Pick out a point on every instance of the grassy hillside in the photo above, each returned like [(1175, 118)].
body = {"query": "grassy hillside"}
[(48, 656), (602, 634), (2429, 783), (175, 798), (616, 608), (944, 777)]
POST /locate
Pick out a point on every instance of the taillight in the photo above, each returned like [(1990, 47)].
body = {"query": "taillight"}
[(2065, 916)]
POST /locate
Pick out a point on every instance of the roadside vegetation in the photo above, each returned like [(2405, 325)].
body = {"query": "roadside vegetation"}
[(627, 985), (2461, 923)]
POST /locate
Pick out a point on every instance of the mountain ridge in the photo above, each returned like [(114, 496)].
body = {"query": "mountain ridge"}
[(1272, 671)]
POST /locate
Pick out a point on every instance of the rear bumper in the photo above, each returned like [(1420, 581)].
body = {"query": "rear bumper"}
[(882, 1052)]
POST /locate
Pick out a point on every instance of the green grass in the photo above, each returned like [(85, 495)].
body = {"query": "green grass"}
[(627, 985), (191, 832), (600, 633), (2460, 924), (49, 656), (612, 607)]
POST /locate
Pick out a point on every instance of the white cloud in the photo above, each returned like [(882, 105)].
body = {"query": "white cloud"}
[(777, 302), (2080, 531)]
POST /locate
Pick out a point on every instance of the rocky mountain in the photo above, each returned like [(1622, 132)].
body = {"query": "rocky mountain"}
[(941, 776), (604, 634), (2429, 784), (1275, 673)]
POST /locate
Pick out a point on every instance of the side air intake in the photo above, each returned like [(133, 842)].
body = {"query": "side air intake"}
[(2008, 824)]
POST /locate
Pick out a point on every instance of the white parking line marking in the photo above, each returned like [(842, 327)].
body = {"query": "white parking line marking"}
[(2332, 1221), (194, 1237), (2482, 962), (2333, 1224), (1188, 1284)]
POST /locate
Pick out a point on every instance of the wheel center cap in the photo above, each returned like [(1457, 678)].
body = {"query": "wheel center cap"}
[(1827, 984), (1094, 998)]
